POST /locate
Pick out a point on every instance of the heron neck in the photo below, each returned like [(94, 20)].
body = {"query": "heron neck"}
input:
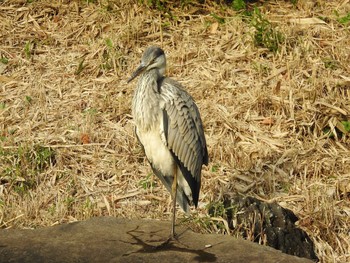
[(146, 102), (150, 80)]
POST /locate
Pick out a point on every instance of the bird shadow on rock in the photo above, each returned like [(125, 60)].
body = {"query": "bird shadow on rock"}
[(168, 245)]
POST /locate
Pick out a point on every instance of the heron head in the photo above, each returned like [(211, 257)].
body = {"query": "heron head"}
[(152, 58)]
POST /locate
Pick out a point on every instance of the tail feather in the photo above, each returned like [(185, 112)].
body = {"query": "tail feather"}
[(181, 197)]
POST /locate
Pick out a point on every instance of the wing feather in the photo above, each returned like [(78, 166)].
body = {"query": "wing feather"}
[(185, 135)]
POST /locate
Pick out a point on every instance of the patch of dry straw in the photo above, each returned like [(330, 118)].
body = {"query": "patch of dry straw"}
[(64, 86)]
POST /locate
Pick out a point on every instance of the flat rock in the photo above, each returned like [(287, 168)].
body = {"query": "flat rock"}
[(108, 239)]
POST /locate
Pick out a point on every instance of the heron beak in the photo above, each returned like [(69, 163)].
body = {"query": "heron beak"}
[(137, 72)]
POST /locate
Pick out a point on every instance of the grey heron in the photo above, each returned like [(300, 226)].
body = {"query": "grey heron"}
[(169, 128)]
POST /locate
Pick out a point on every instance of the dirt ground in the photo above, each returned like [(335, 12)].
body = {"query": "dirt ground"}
[(276, 111)]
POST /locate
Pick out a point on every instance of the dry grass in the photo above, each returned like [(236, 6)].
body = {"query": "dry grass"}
[(63, 85)]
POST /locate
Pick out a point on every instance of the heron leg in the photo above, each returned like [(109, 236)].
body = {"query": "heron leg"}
[(174, 192)]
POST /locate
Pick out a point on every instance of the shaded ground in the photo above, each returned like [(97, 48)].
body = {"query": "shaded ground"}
[(107, 239), (264, 223)]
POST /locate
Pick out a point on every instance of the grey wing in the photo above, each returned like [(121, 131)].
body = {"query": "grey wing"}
[(184, 133)]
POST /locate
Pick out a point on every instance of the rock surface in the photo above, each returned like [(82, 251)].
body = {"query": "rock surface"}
[(108, 239)]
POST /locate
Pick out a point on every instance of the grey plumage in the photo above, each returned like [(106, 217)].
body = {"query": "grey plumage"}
[(169, 127)]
